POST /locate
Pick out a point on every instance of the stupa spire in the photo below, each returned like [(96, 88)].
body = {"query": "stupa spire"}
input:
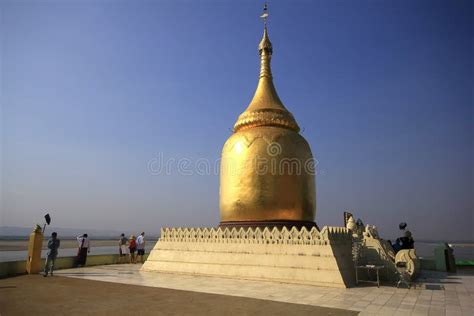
[(265, 50), (266, 108), (256, 187)]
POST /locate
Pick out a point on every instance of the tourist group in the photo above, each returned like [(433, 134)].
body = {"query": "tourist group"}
[(127, 249)]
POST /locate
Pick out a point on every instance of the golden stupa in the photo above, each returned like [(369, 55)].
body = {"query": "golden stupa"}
[(267, 168)]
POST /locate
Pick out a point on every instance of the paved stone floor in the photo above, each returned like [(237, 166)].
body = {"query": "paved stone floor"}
[(435, 294)]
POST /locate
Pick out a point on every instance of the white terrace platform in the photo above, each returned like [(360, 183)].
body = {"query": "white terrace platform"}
[(435, 294)]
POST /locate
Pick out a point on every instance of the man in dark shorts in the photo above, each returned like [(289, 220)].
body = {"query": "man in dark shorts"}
[(141, 246)]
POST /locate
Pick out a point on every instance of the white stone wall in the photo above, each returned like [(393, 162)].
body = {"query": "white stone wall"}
[(293, 256)]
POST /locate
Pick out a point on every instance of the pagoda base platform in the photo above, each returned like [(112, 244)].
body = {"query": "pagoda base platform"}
[(301, 256)]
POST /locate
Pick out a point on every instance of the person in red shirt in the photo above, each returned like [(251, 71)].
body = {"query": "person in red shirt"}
[(132, 246)]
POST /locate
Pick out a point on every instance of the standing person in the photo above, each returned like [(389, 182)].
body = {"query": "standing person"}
[(141, 246), (53, 246), (123, 249), (132, 246), (83, 249)]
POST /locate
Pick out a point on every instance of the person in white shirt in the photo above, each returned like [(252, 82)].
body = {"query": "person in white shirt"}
[(123, 248), (83, 249), (141, 247)]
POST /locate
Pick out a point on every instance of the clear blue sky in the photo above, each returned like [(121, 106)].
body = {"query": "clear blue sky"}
[(93, 90)]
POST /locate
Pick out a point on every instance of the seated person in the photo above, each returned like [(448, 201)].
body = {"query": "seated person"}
[(397, 245), (407, 241)]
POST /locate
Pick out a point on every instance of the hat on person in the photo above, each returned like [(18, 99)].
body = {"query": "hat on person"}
[(132, 237)]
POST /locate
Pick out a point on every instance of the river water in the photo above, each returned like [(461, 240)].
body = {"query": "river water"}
[(67, 252)]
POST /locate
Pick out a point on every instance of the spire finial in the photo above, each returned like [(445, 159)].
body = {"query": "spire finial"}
[(265, 46), (264, 15), (266, 108)]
